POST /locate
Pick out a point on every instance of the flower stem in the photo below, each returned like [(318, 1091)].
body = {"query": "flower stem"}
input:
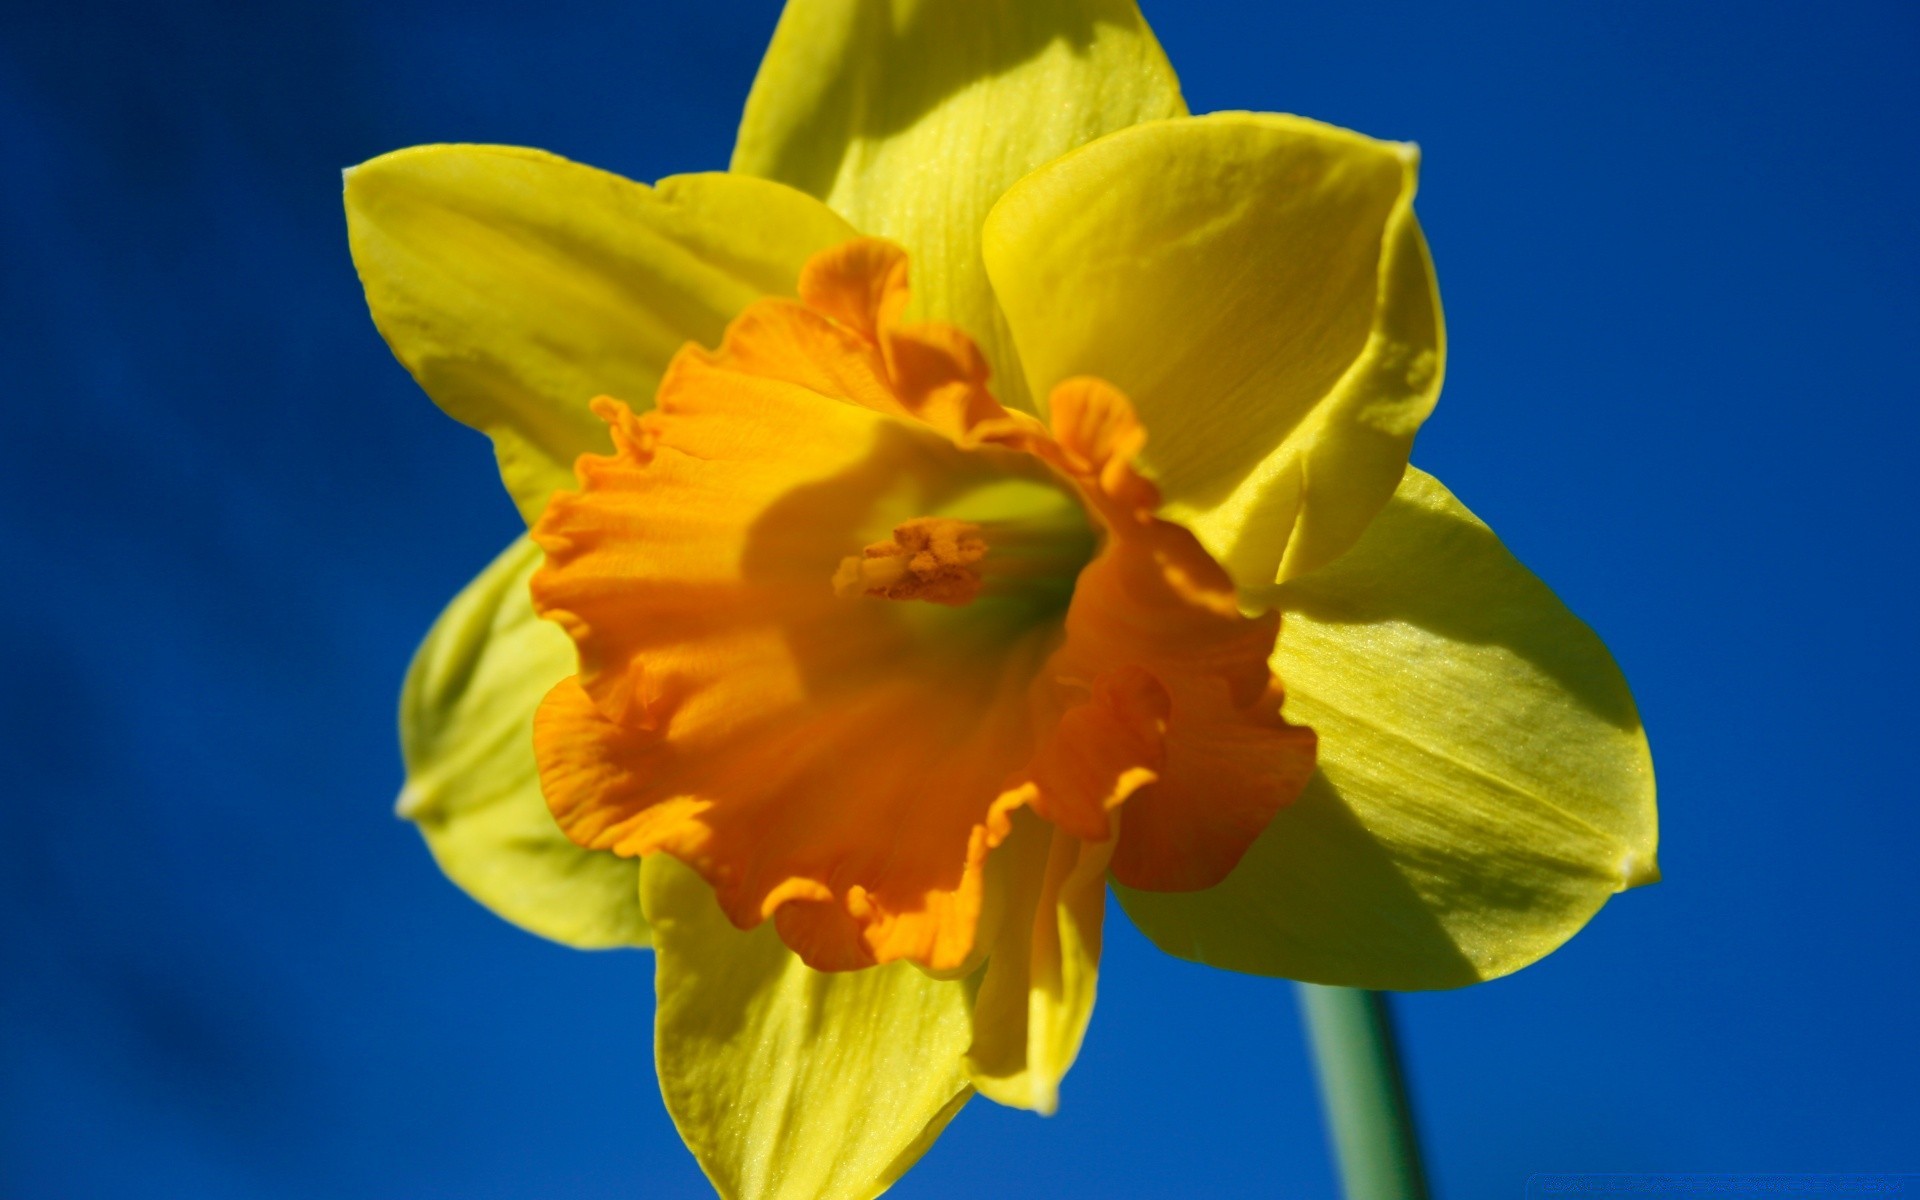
[(1365, 1099)]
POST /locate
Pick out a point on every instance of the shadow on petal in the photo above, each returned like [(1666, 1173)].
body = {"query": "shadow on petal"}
[(1429, 562), (1318, 890)]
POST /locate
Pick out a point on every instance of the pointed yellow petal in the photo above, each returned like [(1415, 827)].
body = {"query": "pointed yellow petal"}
[(1036, 996), (1258, 285), (517, 286), (911, 118), (466, 732), (787, 1083), (1484, 786)]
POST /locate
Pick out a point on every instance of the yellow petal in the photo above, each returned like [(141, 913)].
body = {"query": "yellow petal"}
[(517, 286), (1260, 288), (1484, 785), (786, 1083), (1036, 995), (466, 732), (911, 118)]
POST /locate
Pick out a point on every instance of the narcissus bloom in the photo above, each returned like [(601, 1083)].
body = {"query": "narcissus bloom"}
[(991, 492)]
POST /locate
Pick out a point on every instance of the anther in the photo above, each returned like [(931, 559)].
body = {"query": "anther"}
[(935, 559)]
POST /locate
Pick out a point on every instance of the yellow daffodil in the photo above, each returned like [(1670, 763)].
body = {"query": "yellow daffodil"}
[(991, 490)]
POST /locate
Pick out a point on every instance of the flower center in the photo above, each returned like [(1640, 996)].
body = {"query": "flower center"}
[(1014, 542), (928, 558)]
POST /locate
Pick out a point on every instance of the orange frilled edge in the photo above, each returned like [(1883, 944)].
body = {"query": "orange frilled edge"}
[(823, 760)]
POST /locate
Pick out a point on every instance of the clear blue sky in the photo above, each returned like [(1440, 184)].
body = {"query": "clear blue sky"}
[(1676, 244)]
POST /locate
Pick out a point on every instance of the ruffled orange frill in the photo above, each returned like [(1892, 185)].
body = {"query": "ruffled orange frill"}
[(823, 659)]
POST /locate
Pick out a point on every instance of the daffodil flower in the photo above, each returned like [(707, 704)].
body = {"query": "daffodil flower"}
[(991, 492)]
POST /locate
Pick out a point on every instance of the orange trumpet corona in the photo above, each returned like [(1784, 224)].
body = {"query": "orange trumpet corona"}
[(839, 614)]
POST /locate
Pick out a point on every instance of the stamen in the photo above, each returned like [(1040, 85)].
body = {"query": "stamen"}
[(928, 558)]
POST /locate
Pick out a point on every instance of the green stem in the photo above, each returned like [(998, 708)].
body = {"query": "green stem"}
[(1368, 1116)]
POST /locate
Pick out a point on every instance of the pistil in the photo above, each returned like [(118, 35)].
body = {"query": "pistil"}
[(952, 561), (935, 559)]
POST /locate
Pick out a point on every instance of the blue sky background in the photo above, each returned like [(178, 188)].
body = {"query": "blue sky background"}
[(1677, 248)]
